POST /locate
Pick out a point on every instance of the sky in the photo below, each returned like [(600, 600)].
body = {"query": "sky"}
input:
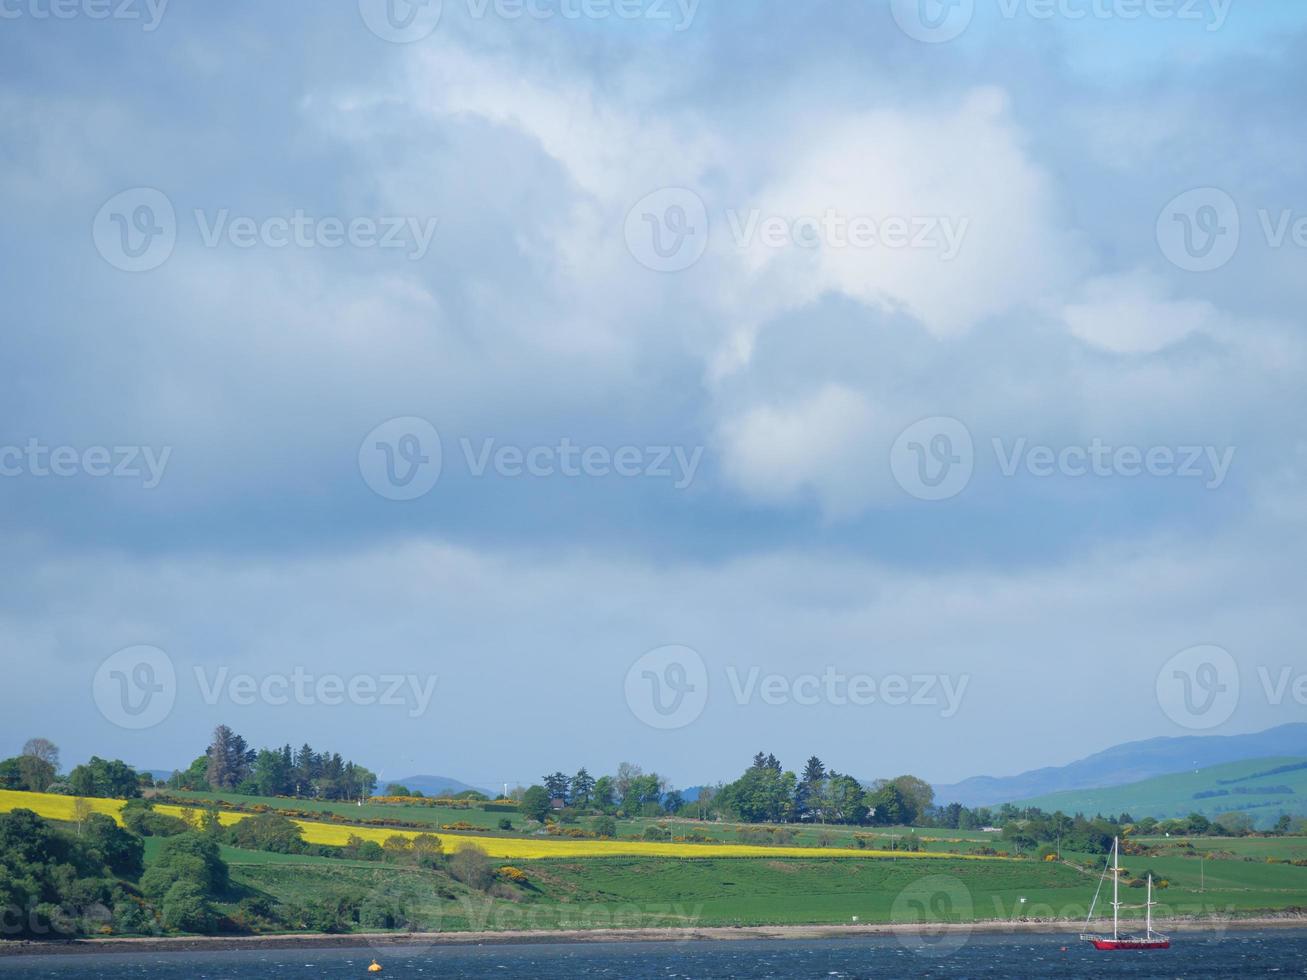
[(486, 388)]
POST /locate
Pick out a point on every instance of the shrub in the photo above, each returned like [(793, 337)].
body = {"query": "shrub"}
[(139, 817), (121, 850), (505, 824), (605, 827), (267, 832), (471, 866), (187, 909)]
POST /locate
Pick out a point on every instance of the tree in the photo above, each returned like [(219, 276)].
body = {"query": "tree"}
[(186, 908), (187, 857), (605, 793), (229, 759), (888, 806), (105, 778), (267, 832), (762, 794), (46, 874), (583, 785), (605, 827), (558, 786), (844, 800), (272, 774), (643, 792), (120, 850), (194, 778), (82, 812), (536, 803), (918, 796), (139, 817), (471, 866), (626, 773), (39, 764), (808, 792)]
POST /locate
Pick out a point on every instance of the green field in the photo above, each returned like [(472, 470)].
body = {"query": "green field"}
[(804, 835), (644, 893), (1249, 787), (1260, 848)]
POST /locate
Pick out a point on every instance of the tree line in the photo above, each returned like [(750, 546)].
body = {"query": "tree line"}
[(230, 764)]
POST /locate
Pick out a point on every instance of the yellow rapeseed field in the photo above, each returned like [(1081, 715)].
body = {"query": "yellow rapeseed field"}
[(52, 806), (61, 808)]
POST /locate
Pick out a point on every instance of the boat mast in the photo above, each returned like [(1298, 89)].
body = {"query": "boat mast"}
[(1148, 915), (1116, 885)]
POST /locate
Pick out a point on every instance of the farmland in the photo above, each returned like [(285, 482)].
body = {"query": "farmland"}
[(1262, 788), (544, 882), (510, 848)]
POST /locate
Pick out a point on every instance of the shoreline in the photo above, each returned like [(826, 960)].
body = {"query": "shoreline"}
[(378, 941)]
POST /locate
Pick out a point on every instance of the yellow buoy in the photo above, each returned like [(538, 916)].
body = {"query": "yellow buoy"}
[(375, 967)]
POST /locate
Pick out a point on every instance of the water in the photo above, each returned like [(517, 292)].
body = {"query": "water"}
[(1237, 954)]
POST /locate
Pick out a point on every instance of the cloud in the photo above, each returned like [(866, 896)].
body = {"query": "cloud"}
[(983, 214), (1132, 313), (817, 447)]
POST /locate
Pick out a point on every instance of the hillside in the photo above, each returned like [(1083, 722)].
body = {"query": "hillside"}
[(435, 785), (1130, 762), (1262, 788)]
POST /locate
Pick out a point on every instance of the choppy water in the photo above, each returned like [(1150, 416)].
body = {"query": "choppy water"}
[(1236, 954)]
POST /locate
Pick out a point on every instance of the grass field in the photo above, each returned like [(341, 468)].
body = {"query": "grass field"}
[(511, 848), (1251, 787), (646, 893), (631, 884), (1286, 848), (887, 838)]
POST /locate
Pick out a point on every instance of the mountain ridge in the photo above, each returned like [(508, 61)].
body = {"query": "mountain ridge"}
[(1129, 762)]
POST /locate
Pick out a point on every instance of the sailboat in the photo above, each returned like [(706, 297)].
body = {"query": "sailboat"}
[(1150, 939)]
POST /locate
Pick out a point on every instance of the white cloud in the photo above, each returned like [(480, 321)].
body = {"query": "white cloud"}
[(822, 445), (1131, 313), (966, 166)]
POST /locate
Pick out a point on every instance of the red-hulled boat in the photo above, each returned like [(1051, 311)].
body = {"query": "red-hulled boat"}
[(1150, 939)]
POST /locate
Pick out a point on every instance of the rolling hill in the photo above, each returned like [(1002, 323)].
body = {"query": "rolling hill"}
[(1261, 788), (435, 785), (1129, 763)]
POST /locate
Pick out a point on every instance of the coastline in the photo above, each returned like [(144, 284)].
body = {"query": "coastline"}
[(196, 944)]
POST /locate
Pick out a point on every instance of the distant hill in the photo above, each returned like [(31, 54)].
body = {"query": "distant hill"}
[(1129, 763), (1261, 788), (434, 785)]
